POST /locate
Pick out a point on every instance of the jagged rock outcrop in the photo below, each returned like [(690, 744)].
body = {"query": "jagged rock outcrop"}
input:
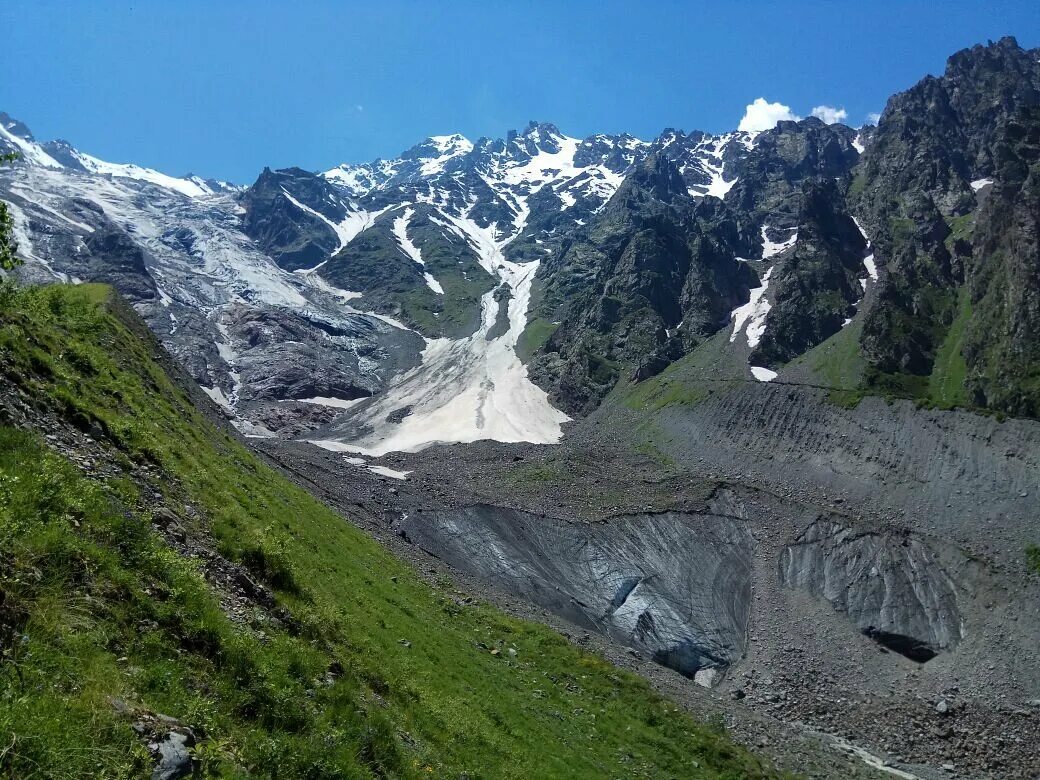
[(294, 235), (675, 585), (891, 585), (817, 284), (280, 360), (627, 324), (771, 173), (937, 149), (654, 266)]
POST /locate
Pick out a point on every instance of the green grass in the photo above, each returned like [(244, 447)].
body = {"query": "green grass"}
[(94, 605), (859, 183), (962, 227), (838, 364), (687, 381), (1033, 558), (534, 473), (946, 385), (454, 314), (661, 391), (602, 370), (534, 336), (838, 361), (650, 449), (901, 229), (897, 385)]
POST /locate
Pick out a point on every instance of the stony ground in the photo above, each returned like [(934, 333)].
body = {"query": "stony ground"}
[(973, 712)]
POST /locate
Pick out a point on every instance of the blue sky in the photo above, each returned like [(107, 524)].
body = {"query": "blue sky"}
[(224, 88)]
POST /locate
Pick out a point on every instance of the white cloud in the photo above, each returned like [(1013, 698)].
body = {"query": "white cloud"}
[(761, 115), (873, 117), (830, 114)]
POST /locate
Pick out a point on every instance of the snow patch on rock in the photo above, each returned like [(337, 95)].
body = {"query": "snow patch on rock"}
[(751, 317), (770, 247), (762, 374), (400, 231)]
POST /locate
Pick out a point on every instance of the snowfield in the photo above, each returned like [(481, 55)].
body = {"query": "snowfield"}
[(465, 389)]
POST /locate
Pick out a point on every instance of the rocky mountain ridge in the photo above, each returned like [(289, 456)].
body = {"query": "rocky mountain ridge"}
[(331, 303)]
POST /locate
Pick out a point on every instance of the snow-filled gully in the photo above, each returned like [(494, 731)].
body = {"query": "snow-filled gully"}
[(464, 389)]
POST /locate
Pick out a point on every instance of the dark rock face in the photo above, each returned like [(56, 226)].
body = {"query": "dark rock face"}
[(817, 283), (173, 758), (15, 126), (988, 85), (1002, 347), (292, 236), (64, 152), (618, 153), (771, 174), (282, 357), (918, 191), (115, 259), (917, 294), (654, 261), (675, 585), (892, 586)]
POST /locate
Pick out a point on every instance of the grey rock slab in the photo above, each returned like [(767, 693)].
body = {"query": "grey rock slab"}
[(674, 585)]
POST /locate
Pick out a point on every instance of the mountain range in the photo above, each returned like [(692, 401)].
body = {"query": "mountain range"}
[(601, 259)]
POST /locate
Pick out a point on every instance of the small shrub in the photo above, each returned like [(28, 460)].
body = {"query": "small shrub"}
[(271, 566), (1033, 558)]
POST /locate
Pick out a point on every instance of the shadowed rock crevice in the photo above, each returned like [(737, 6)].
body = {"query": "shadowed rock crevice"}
[(907, 646)]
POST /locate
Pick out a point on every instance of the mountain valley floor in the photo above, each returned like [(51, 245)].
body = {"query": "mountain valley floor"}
[(764, 456)]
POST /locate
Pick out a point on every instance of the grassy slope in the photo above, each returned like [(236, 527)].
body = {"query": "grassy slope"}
[(454, 314), (837, 364), (946, 384), (711, 367), (94, 605), (538, 329), (534, 337)]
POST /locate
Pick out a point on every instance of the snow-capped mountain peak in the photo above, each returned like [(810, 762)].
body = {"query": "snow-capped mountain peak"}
[(16, 137), (451, 144), (149, 175), (360, 179), (514, 168)]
